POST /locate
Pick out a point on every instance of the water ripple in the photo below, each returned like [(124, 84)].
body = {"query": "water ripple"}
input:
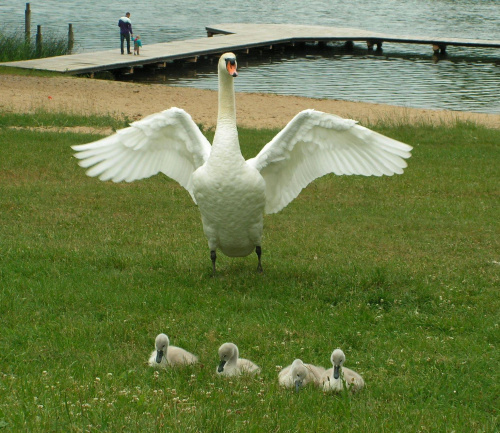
[(420, 83)]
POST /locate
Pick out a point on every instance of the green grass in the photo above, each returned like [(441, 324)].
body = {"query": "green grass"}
[(46, 119), (14, 47), (10, 70), (402, 273)]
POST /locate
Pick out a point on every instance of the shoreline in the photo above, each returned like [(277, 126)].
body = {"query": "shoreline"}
[(133, 101)]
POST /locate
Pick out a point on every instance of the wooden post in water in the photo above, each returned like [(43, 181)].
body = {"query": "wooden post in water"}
[(39, 41), (27, 23), (71, 38)]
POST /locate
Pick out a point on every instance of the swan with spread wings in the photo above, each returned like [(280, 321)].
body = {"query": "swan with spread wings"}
[(231, 193)]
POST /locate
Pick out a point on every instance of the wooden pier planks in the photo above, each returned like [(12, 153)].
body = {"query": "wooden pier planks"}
[(321, 33), (231, 37)]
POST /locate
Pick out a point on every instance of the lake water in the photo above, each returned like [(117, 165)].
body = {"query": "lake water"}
[(466, 79)]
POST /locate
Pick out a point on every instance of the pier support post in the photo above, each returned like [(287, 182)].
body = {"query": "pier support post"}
[(349, 45), (439, 48), (71, 38), (39, 40), (370, 43), (27, 23)]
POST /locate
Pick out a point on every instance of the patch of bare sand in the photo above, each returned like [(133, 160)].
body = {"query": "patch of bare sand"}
[(25, 94)]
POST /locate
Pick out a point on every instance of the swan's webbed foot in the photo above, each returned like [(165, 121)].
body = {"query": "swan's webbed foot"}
[(258, 250), (213, 256)]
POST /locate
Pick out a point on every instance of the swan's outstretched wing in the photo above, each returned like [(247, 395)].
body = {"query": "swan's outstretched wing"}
[(167, 142), (316, 143)]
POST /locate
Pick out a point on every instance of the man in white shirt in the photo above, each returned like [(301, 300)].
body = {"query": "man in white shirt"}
[(125, 31)]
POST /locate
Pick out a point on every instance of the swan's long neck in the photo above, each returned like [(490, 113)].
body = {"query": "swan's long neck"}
[(226, 142), (234, 359), (227, 104)]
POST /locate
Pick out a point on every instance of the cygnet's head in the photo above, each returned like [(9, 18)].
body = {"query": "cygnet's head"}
[(299, 373), (227, 62), (226, 352), (161, 344), (337, 358)]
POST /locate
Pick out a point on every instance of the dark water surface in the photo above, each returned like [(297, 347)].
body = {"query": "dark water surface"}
[(467, 79)]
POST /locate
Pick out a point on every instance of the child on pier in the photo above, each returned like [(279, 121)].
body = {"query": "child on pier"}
[(137, 44)]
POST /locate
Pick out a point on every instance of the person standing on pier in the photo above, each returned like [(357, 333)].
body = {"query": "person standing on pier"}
[(125, 31)]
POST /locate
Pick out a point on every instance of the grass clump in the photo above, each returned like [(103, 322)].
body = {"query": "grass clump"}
[(400, 272), (14, 47), (47, 119), (10, 70)]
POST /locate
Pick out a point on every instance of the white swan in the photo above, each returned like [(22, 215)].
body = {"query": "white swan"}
[(165, 355), (336, 377), (298, 374), (232, 194), (231, 364)]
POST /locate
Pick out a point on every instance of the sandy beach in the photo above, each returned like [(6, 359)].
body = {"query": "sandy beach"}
[(27, 94)]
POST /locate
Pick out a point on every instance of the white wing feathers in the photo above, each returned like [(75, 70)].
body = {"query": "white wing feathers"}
[(314, 144), (168, 142)]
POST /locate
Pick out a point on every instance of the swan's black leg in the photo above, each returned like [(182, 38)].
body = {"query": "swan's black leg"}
[(213, 256), (258, 250)]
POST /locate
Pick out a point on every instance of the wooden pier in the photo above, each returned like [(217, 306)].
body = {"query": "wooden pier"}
[(233, 37)]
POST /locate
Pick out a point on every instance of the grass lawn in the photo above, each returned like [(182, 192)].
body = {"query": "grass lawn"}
[(400, 272)]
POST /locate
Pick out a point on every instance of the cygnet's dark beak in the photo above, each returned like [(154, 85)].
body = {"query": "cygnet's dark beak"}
[(298, 384), (159, 356), (336, 371), (220, 368)]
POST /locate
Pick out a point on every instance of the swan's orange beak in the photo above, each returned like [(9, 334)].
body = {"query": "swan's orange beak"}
[(231, 67)]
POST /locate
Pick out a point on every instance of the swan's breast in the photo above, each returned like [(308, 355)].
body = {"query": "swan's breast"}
[(231, 202)]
